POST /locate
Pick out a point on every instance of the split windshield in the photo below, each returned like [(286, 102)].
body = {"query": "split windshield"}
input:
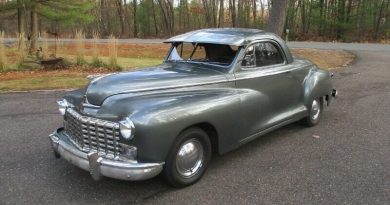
[(216, 54)]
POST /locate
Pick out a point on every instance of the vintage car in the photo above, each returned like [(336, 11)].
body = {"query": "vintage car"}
[(216, 90)]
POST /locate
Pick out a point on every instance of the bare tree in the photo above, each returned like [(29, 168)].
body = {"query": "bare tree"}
[(135, 25), (167, 13), (232, 8), (154, 18), (121, 13), (221, 15), (254, 12)]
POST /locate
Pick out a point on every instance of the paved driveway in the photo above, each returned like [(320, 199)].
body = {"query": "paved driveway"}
[(348, 164)]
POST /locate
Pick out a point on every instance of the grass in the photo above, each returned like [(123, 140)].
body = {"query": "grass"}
[(80, 36), (39, 83), (113, 53), (326, 59), (74, 78), (3, 58)]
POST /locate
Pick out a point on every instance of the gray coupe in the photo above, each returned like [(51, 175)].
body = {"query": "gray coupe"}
[(216, 90)]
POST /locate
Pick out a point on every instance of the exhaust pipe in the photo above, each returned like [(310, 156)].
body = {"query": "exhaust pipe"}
[(334, 93)]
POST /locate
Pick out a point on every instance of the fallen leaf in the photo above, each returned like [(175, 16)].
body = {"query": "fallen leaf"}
[(316, 136)]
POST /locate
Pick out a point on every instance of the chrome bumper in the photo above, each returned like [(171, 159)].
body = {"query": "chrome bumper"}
[(99, 166)]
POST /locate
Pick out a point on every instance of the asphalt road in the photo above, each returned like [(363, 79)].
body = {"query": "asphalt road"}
[(348, 164)]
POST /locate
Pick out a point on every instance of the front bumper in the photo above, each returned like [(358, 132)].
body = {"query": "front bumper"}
[(99, 166)]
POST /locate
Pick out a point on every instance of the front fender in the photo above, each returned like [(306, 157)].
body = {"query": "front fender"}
[(317, 84), (160, 117)]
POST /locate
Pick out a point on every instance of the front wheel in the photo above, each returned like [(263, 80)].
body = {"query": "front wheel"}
[(314, 114), (188, 158)]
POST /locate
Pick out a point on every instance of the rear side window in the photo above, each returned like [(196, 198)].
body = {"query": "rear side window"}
[(262, 54)]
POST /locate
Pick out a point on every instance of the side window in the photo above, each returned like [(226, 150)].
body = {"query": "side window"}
[(262, 54), (267, 54)]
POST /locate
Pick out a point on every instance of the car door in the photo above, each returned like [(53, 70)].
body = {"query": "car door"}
[(267, 86)]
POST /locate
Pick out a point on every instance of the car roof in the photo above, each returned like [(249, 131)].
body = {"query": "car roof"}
[(228, 36)]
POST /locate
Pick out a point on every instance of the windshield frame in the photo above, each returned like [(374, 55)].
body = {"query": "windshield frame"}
[(196, 44)]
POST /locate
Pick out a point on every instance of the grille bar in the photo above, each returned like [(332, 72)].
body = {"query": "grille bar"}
[(92, 134)]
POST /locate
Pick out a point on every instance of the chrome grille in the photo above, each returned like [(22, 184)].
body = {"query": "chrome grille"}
[(92, 134)]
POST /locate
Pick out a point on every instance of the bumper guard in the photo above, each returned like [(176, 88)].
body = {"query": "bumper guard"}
[(99, 166)]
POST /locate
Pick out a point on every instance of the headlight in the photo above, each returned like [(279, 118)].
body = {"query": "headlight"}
[(127, 128), (63, 105)]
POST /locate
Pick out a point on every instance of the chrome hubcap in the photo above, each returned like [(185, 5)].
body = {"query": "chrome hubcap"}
[(189, 158), (315, 110)]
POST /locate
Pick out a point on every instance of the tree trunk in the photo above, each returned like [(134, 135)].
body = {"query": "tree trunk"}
[(262, 12), (303, 16), (349, 8), (121, 14), (181, 15), (154, 19), (378, 21), (165, 16), (187, 24), (215, 12), (21, 18), (135, 23), (221, 14), (254, 12), (21, 22), (171, 16), (34, 30), (277, 17), (321, 17), (206, 8), (239, 14), (232, 5), (309, 16)]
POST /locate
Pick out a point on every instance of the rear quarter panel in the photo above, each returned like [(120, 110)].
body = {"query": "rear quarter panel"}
[(317, 84)]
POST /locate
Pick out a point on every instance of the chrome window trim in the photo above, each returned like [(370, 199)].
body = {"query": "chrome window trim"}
[(252, 68)]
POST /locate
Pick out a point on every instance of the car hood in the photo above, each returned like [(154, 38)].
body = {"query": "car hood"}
[(165, 76)]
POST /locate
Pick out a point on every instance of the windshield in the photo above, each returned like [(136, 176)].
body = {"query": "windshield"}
[(217, 54)]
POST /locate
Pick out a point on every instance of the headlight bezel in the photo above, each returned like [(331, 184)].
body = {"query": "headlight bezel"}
[(63, 105), (127, 129)]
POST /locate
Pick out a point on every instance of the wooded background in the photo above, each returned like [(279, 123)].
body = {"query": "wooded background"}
[(342, 20)]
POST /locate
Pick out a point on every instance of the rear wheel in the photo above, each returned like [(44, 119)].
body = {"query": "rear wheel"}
[(188, 158), (314, 114)]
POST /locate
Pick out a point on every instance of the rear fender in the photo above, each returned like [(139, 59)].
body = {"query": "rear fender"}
[(317, 84)]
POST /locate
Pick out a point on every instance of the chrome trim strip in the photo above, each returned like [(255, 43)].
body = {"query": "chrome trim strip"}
[(87, 105), (99, 166), (173, 86)]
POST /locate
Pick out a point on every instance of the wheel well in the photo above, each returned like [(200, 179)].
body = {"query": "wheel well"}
[(211, 132)]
